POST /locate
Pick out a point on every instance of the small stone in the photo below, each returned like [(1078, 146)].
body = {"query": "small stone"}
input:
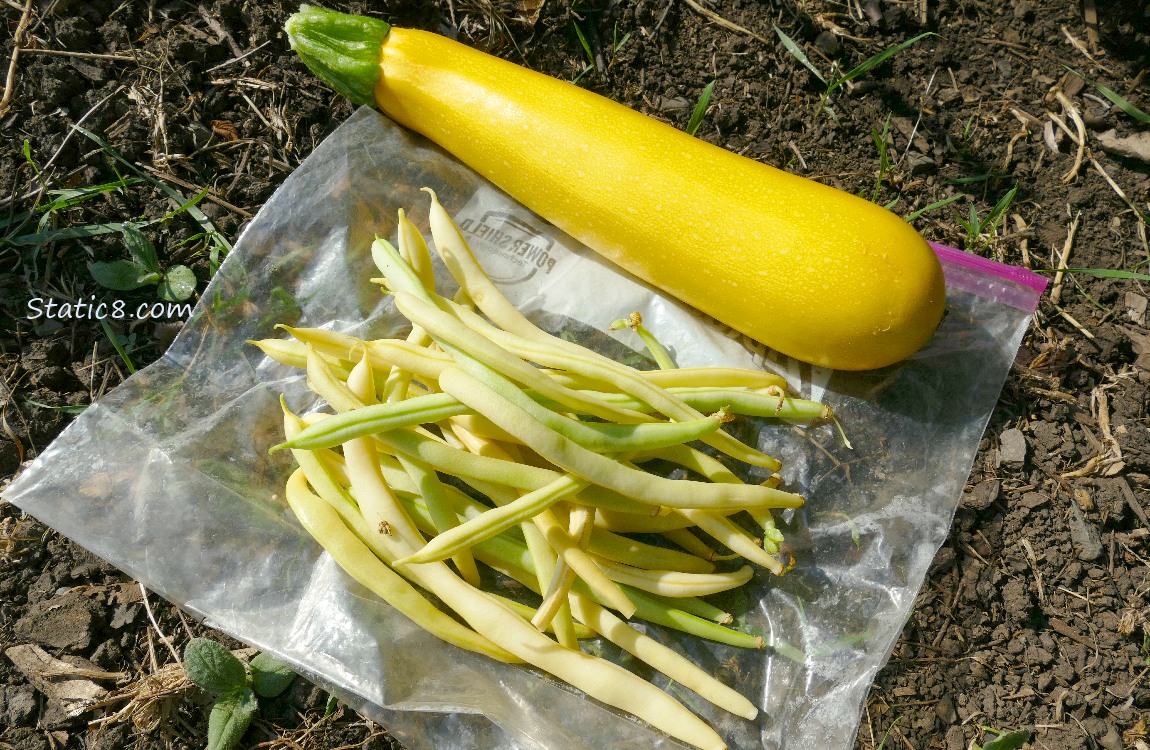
[(1136, 146), (1032, 500), (1084, 535), (983, 494), (67, 622), (921, 164), (944, 709), (955, 739), (18, 706), (1012, 447), (1111, 740), (1136, 307), (1095, 118), (827, 43)]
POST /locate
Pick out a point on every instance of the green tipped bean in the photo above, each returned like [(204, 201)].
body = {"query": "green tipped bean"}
[(600, 438), (655, 610), (624, 378), (658, 352), (368, 420), (413, 249), (673, 583), (633, 552), (495, 521), (446, 329), (434, 494), (606, 472)]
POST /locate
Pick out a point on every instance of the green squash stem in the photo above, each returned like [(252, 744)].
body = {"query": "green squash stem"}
[(342, 49)]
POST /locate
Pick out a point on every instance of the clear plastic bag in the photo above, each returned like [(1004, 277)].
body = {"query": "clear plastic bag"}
[(168, 477)]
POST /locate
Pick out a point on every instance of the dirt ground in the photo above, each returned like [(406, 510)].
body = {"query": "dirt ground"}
[(1035, 612)]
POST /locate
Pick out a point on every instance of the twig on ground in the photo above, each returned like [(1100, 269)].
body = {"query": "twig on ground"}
[(1071, 320), (17, 40), (209, 195), (241, 58), (719, 20), (1079, 45), (83, 55), (156, 625), (1071, 230), (1035, 568), (1024, 244), (1072, 112)]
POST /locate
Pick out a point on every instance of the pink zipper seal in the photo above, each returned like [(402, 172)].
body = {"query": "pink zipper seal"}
[(1011, 285)]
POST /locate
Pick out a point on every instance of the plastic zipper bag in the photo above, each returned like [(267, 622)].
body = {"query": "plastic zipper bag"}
[(169, 479)]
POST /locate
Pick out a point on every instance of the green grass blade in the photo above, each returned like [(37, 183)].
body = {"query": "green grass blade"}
[(798, 53), (583, 41), (69, 233), (1000, 208), (70, 197), (116, 345), (1105, 273), (64, 409), (1120, 101), (700, 109), (197, 215), (621, 42), (875, 61), (936, 205)]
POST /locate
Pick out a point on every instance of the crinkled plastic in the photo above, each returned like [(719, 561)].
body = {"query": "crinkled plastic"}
[(168, 477)]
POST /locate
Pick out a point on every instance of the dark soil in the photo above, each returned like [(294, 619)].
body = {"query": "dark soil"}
[(1035, 613)]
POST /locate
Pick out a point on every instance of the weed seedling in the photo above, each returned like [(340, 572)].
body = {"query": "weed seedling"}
[(616, 45), (835, 78), (932, 207), (1004, 740), (884, 163), (216, 670), (981, 232), (700, 109)]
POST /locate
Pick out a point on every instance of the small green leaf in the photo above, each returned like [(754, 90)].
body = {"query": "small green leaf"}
[(230, 717), (270, 676), (122, 275), (584, 43), (1008, 740), (798, 53), (937, 204), (700, 109), (140, 248), (877, 60), (178, 284), (213, 668), (64, 409)]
